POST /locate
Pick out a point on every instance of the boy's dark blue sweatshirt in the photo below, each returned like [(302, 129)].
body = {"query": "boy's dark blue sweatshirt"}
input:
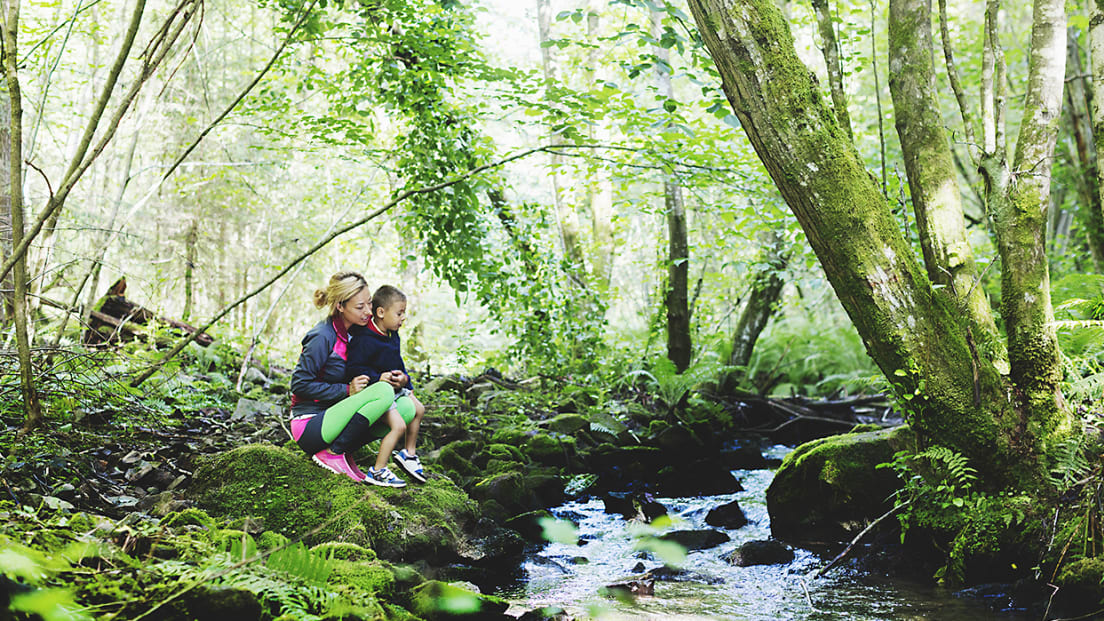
[(373, 353)]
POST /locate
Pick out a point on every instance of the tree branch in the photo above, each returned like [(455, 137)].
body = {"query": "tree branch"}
[(952, 75), (243, 93), (137, 381)]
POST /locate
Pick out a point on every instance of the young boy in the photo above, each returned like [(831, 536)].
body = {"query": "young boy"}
[(374, 351)]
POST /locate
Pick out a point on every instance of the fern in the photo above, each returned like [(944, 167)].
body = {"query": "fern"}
[(1070, 462), (298, 561)]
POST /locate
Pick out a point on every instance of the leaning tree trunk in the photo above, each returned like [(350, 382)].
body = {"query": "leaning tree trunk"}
[(919, 339)]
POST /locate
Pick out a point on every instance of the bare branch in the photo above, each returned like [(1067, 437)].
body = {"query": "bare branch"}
[(245, 91), (952, 75)]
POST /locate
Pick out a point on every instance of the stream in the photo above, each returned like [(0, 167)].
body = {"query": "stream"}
[(570, 576)]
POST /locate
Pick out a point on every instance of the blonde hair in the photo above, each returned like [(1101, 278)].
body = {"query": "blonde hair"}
[(342, 287)]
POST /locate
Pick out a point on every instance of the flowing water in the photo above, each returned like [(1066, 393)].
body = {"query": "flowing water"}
[(570, 576)]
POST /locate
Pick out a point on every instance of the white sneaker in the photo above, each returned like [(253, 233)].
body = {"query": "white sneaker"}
[(411, 465), (383, 477)]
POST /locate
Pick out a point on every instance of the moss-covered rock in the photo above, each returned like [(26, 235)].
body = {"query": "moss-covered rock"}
[(435, 601), (549, 449), (297, 499), (830, 489), (345, 551), (566, 424), (518, 492)]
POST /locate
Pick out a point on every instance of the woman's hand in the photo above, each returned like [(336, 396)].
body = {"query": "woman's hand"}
[(358, 384)]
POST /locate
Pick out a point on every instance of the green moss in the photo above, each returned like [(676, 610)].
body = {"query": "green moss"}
[(269, 540), (300, 500), (1086, 573), (357, 579), (548, 449), (567, 424), (189, 517), (436, 600), (345, 551), (503, 452), (511, 436)]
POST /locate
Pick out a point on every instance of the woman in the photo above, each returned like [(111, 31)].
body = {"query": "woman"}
[(332, 418)]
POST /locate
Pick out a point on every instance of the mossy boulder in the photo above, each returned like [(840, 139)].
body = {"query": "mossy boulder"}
[(517, 492), (298, 499), (567, 424), (830, 489), (439, 601), (1081, 583), (550, 449)]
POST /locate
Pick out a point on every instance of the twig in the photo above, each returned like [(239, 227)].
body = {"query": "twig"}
[(808, 599), (841, 555)]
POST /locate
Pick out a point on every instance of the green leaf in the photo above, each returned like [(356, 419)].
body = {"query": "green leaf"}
[(559, 531)]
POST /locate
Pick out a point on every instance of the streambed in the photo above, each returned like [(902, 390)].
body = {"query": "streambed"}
[(570, 576)]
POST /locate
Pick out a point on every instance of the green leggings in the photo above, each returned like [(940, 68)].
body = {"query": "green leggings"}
[(370, 404)]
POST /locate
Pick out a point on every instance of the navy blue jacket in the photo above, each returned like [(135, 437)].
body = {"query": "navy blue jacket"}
[(373, 354), (319, 376)]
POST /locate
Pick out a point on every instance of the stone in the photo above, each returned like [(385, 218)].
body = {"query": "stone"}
[(548, 613), (696, 539), (528, 525), (760, 552), (439, 601), (830, 489), (253, 375), (567, 424), (703, 477), (444, 382), (727, 516), (249, 409)]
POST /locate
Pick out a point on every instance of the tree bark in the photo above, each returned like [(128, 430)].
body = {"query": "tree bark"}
[(952, 396), (677, 300), (1020, 218), (7, 285), (933, 182), (600, 192), (1080, 123), (10, 27), (1096, 53), (829, 47), (190, 242)]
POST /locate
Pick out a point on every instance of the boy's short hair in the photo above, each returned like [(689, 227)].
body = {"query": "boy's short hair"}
[(386, 296)]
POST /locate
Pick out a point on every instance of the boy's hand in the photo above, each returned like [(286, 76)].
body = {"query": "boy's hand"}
[(358, 384), (395, 378)]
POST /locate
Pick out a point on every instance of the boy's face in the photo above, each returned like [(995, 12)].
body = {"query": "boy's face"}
[(391, 317)]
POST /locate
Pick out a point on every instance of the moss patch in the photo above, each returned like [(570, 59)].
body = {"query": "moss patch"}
[(300, 500)]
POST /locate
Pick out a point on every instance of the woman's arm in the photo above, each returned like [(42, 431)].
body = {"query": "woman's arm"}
[(305, 382)]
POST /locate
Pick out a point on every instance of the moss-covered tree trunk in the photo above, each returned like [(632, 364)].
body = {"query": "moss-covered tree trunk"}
[(921, 340), (1096, 54), (933, 181)]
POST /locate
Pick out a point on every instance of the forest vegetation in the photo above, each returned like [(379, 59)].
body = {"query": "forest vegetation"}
[(657, 211)]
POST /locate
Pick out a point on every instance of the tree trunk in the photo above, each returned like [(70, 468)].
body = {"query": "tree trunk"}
[(766, 290), (1096, 55), (190, 241), (916, 337), (829, 47), (1087, 121), (568, 219), (677, 300), (15, 179), (7, 286), (600, 192), (932, 178)]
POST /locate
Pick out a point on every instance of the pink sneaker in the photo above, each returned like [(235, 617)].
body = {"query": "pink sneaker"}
[(335, 464), (352, 464), (299, 425)]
